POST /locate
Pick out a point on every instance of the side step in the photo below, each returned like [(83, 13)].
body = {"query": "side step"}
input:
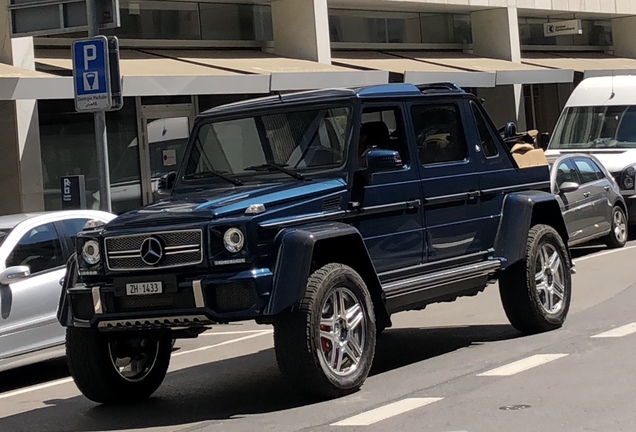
[(443, 285)]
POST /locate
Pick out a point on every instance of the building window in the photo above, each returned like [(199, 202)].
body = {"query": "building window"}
[(597, 33), (67, 141), (358, 26), (236, 22)]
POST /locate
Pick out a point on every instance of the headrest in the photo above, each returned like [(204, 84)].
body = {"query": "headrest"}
[(377, 133)]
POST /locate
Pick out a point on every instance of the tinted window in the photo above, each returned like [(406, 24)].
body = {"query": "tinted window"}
[(566, 173), (39, 249), (4, 233), (487, 143), (439, 133), (382, 128), (73, 226), (588, 170)]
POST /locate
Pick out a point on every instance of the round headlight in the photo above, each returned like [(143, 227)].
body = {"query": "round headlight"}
[(628, 183), (90, 252), (233, 240), (630, 171)]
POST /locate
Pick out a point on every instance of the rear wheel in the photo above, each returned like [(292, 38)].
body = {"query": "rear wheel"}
[(536, 292), (117, 369), (618, 235), (326, 343)]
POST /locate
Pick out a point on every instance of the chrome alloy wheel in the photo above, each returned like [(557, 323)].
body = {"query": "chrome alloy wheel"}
[(620, 227), (342, 332), (549, 279), (137, 367)]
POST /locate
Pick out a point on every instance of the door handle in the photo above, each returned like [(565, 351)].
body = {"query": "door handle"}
[(473, 195), (586, 194)]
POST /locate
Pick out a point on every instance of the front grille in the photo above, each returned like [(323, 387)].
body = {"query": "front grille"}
[(232, 297), (152, 302), (180, 248)]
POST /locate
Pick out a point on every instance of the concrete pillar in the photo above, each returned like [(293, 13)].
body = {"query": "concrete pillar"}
[(21, 160), (624, 36), (496, 35), (301, 29)]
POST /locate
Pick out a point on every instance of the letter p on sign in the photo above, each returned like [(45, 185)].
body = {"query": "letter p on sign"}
[(90, 54)]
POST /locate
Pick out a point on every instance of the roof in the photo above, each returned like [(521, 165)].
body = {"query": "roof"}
[(11, 221), (333, 95), (598, 91)]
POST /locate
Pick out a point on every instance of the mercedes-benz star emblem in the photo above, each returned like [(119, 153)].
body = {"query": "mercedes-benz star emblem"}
[(151, 251)]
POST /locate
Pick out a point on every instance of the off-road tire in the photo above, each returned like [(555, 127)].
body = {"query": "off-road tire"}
[(297, 338), (612, 241), (517, 285), (91, 367)]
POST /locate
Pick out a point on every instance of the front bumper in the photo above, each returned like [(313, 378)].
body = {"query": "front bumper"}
[(190, 302)]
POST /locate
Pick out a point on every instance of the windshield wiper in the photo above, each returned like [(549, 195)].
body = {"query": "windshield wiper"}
[(219, 174), (278, 167)]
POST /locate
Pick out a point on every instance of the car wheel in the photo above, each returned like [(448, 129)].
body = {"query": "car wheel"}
[(326, 344), (116, 369), (618, 235), (536, 292)]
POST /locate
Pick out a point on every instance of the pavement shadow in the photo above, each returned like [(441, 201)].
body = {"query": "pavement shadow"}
[(33, 374), (237, 387)]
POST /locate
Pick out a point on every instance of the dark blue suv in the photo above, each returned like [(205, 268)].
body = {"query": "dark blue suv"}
[(322, 213)]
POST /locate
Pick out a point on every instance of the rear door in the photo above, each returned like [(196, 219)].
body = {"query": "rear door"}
[(28, 307)]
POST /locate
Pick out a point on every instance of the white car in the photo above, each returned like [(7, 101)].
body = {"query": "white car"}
[(34, 249)]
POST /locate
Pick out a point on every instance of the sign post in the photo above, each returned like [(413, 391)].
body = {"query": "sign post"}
[(93, 82)]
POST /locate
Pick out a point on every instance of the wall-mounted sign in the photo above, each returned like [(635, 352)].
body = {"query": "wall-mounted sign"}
[(73, 191), (563, 28)]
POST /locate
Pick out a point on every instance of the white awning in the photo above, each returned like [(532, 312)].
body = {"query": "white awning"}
[(17, 83), (284, 73), (589, 64), (415, 71)]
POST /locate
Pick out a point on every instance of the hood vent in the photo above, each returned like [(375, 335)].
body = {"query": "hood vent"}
[(332, 203)]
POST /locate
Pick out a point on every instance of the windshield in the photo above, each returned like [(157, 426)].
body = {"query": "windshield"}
[(596, 127), (298, 140), (4, 233)]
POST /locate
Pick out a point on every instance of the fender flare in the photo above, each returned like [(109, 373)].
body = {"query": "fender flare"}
[(521, 211), (301, 250)]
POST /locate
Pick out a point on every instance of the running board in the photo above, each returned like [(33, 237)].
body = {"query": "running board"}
[(443, 285)]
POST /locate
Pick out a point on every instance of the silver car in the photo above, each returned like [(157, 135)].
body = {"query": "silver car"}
[(590, 200), (33, 252)]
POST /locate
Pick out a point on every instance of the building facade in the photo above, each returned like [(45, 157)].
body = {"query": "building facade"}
[(179, 58)]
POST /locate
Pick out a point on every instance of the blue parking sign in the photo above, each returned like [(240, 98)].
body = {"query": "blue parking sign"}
[(91, 74)]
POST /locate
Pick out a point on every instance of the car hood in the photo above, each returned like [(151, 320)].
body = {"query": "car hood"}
[(614, 160), (219, 203)]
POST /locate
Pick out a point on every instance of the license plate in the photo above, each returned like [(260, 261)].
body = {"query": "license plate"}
[(143, 288)]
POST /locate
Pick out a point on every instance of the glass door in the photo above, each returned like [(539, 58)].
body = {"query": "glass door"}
[(164, 131)]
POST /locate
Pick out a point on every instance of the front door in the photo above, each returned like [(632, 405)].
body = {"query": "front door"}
[(164, 132)]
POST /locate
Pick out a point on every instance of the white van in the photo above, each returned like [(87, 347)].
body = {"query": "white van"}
[(600, 118)]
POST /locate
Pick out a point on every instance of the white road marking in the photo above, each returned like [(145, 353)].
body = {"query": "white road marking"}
[(618, 331), (386, 411), (69, 379), (233, 332), (522, 365), (600, 254), (227, 342), (36, 388)]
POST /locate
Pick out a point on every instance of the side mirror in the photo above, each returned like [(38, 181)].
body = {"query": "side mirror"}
[(383, 160), (166, 182), (566, 187), (14, 274)]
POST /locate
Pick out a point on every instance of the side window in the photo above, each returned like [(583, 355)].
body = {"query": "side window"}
[(587, 170), (39, 249), (439, 135), (72, 227), (488, 145), (566, 173), (382, 128)]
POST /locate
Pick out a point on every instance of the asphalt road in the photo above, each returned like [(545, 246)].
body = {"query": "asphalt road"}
[(452, 367)]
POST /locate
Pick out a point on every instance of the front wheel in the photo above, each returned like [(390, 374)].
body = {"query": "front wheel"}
[(618, 235), (117, 369), (536, 292), (326, 344)]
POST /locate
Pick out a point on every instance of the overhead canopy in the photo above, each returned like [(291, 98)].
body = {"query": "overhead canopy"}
[(590, 64), (414, 70), (17, 83), (466, 70)]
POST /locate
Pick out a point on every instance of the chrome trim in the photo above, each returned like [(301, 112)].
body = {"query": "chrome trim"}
[(182, 321), (138, 252), (97, 301), (198, 294)]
